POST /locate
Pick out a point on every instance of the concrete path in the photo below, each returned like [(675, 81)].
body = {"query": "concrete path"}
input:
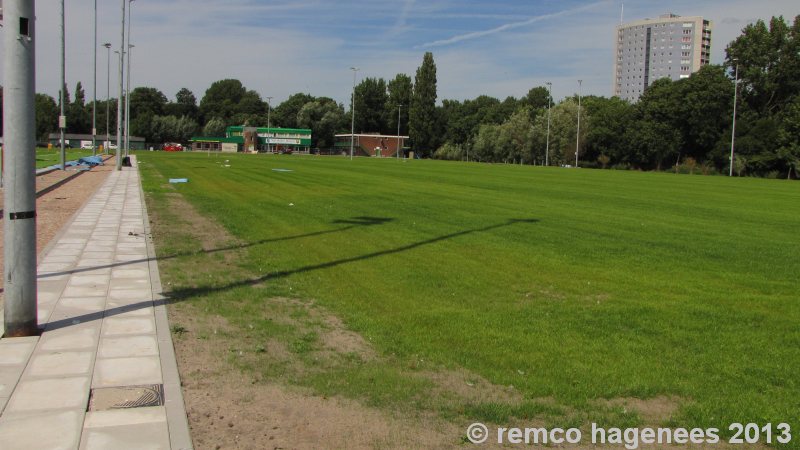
[(103, 373)]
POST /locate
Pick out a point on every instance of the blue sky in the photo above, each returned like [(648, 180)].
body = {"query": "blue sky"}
[(280, 47)]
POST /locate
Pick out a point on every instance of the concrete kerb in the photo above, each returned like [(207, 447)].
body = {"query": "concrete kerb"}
[(177, 422)]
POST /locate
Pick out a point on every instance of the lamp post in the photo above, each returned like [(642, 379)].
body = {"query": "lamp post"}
[(733, 126), (398, 131), (128, 86), (269, 138), (119, 101), (107, 45), (94, 82), (549, 101), (62, 119), (578, 134), (128, 101), (353, 113)]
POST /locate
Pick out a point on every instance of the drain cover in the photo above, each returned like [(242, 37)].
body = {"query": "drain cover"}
[(122, 397)]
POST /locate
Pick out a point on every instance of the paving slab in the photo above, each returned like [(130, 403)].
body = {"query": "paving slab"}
[(104, 326)]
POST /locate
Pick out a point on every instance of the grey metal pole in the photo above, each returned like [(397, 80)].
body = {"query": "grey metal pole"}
[(549, 101), (19, 131), (733, 127), (119, 100), (94, 89), (398, 130), (128, 101), (107, 45), (353, 113), (578, 134), (128, 86), (269, 138), (62, 119)]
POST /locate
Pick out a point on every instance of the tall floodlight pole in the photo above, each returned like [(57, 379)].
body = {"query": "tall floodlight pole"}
[(128, 86), (107, 45), (128, 102), (398, 130), (578, 134), (549, 101), (119, 99), (269, 138), (19, 131), (94, 82), (62, 119), (353, 113), (733, 126)]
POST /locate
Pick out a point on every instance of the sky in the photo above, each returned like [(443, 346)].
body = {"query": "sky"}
[(499, 48)]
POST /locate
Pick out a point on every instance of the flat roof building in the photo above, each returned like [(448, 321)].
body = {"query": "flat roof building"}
[(256, 139), (668, 47)]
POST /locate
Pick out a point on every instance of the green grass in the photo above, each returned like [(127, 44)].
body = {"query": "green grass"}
[(50, 157), (572, 285)]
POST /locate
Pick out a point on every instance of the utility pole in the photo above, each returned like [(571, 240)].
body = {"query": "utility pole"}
[(107, 45), (128, 86), (269, 137), (62, 119), (578, 134), (119, 99), (94, 90), (353, 113), (398, 131), (549, 101), (733, 125), (19, 131)]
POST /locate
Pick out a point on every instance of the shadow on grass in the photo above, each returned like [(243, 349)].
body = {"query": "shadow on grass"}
[(179, 295), (354, 222), (186, 293)]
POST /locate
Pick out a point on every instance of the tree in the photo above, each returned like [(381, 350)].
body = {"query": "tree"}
[(563, 123), (285, 115), (214, 127), (422, 117), (185, 105), (400, 91), (324, 117), (516, 137), (705, 111), (607, 119), (78, 120), (147, 101), (46, 116), (222, 100), (370, 104)]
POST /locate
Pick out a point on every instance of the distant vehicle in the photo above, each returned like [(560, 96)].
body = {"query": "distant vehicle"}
[(86, 145), (109, 145), (172, 147)]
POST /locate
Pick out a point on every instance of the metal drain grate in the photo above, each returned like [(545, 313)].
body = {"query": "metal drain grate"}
[(103, 399)]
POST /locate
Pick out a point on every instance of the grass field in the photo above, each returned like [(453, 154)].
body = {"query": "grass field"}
[(50, 157), (576, 287)]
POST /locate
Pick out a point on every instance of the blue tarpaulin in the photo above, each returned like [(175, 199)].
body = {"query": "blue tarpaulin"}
[(91, 161)]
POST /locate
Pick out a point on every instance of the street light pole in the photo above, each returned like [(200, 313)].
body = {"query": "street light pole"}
[(94, 89), (353, 113), (733, 127), (128, 86), (19, 131), (269, 108), (62, 119), (128, 100), (549, 101), (107, 45), (119, 101), (398, 131), (578, 134)]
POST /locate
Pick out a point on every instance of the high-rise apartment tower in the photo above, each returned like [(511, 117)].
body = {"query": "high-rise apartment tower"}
[(668, 47)]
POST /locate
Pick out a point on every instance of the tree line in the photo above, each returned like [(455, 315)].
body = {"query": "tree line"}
[(678, 125)]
